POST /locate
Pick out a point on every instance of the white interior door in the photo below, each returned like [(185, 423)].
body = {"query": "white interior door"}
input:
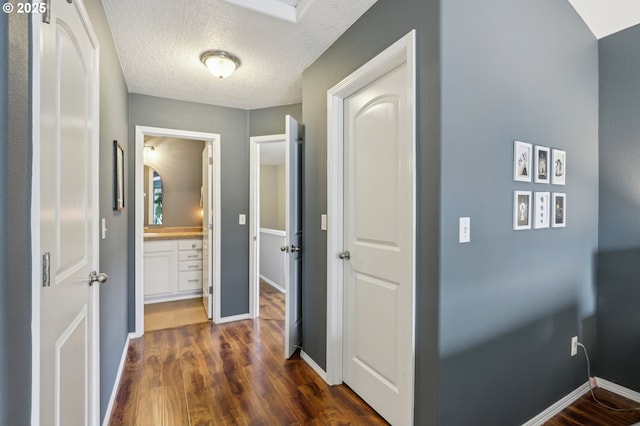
[(208, 248), (68, 218), (293, 227), (379, 239)]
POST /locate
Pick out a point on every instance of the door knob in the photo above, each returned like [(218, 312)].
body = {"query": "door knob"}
[(345, 255), (95, 277), (284, 249), (295, 249)]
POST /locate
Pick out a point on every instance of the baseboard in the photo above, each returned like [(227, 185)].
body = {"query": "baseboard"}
[(315, 367), (116, 383), (618, 389), (150, 300), (557, 407), (233, 318), (272, 284)]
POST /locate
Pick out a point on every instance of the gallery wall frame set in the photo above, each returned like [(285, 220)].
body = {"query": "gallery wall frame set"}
[(541, 165)]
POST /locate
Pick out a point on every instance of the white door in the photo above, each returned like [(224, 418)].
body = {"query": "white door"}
[(208, 248), (69, 218), (378, 235), (293, 242)]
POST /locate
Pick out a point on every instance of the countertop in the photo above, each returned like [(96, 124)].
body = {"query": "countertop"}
[(176, 233)]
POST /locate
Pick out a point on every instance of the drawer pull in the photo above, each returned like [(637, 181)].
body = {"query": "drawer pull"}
[(193, 245), (193, 266), (192, 256), (193, 281)]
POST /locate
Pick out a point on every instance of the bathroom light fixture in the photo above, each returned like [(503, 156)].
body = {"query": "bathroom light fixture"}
[(221, 64)]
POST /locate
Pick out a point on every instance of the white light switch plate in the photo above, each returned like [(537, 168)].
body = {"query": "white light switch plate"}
[(242, 219), (104, 228), (464, 235), (323, 222)]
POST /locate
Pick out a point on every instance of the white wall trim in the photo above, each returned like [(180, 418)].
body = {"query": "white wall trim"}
[(618, 389), (272, 284), (558, 406), (400, 52), (116, 384), (254, 219), (214, 139), (306, 358), (233, 318)]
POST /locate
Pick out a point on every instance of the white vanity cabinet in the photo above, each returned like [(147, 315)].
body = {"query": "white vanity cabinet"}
[(172, 270)]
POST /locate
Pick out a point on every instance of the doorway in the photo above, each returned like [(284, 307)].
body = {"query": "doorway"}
[(371, 254), (275, 202), (206, 252)]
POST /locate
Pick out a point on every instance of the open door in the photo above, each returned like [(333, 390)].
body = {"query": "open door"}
[(293, 247), (208, 248)]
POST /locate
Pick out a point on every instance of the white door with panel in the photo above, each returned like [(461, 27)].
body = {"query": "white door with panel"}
[(69, 218), (379, 245), (293, 242), (208, 248)]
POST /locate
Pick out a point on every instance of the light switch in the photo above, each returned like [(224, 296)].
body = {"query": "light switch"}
[(464, 235), (323, 222), (104, 228), (242, 219)]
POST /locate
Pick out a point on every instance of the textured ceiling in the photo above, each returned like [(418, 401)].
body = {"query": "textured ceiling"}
[(160, 42), (605, 17)]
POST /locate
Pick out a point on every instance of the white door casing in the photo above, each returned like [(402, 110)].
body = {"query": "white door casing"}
[(293, 229), (371, 214), (208, 252), (65, 217), (215, 141)]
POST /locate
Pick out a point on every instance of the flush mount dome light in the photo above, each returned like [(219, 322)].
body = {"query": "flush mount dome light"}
[(221, 64)]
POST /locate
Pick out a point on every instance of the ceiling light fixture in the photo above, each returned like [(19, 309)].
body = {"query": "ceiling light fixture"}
[(221, 64)]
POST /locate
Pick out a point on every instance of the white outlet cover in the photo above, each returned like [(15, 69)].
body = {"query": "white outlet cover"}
[(242, 219), (464, 232)]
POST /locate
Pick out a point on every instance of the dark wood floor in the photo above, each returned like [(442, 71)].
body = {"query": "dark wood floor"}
[(586, 412), (229, 374)]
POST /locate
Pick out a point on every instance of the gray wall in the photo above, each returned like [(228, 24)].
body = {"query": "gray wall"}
[(360, 43), (511, 300), (618, 266), (270, 121), (113, 250), (232, 125), (15, 225)]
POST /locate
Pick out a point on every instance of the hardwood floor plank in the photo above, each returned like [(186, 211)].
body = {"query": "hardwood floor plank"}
[(586, 412)]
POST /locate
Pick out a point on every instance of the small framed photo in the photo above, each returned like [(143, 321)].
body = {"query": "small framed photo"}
[(118, 176), (559, 164), (559, 210), (521, 210), (542, 157), (522, 161), (541, 210)]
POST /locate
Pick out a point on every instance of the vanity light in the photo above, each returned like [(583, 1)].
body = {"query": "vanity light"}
[(221, 64)]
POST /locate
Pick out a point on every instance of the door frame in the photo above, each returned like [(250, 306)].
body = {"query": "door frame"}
[(36, 259), (400, 52), (214, 140), (254, 219)]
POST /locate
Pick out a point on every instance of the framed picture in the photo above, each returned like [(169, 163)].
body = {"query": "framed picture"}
[(118, 176), (521, 210), (522, 161), (559, 210), (559, 163), (542, 157), (541, 210)]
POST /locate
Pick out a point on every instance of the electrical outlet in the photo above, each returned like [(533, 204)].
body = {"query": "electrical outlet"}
[(574, 345)]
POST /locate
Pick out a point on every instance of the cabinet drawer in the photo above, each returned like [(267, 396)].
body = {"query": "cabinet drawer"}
[(190, 255), (188, 281), (156, 246), (190, 245), (190, 265)]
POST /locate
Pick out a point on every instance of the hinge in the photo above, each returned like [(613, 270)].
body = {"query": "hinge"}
[(46, 270), (211, 160), (46, 16), (299, 140), (210, 289)]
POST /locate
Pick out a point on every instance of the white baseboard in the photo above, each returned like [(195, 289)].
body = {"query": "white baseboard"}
[(306, 358), (273, 284), (234, 318), (557, 407), (149, 300), (618, 389), (114, 391)]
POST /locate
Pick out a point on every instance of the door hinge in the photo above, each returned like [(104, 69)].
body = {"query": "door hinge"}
[(210, 289), (46, 270), (299, 140), (211, 160), (46, 15)]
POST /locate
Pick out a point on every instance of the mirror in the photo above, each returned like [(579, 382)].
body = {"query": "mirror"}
[(153, 197)]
